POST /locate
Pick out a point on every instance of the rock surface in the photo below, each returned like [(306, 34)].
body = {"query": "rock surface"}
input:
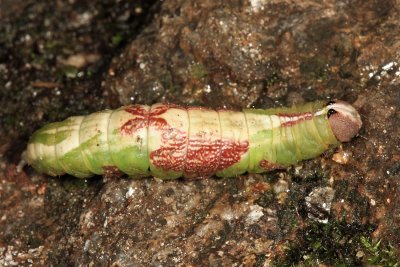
[(58, 60)]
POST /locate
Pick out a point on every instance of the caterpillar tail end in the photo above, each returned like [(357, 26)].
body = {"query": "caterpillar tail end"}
[(344, 119)]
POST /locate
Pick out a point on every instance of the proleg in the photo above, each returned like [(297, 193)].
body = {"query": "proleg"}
[(170, 141)]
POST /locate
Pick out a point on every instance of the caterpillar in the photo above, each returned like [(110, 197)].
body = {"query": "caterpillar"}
[(170, 141)]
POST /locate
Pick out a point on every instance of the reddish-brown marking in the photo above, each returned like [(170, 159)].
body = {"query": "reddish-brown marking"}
[(137, 110), (202, 156), (111, 172), (139, 122), (294, 118), (199, 156), (144, 118), (205, 158), (231, 152), (171, 155), (269, 166)]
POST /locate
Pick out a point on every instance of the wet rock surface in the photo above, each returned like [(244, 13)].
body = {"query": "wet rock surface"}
[(66, 59)]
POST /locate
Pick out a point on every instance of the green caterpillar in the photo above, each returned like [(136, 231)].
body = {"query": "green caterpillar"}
[(170, 141)]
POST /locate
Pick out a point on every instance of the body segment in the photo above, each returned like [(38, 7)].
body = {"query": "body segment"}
[(170, 141)]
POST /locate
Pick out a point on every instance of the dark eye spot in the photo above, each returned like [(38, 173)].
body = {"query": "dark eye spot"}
[(331, 112), (331, 103)]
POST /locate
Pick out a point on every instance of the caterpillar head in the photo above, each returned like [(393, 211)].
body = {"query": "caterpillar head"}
[(344, 120)]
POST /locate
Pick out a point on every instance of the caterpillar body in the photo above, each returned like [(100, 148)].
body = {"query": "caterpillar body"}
[(169, 141)]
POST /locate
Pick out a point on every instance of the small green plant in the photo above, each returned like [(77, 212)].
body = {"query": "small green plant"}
[(334, 244), (378, 254), (198, 71), (117, 39)]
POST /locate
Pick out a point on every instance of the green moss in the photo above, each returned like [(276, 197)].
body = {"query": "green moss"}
[(70, 71), (37, 60), (117, 39), (315, 68), (335, 244), (378, 254), (198, 71), (167, 82)]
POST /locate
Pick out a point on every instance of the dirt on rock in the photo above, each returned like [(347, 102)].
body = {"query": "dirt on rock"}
[(59, 59)]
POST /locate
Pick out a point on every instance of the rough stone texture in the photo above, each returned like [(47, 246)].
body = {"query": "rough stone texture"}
[(213, 53)]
